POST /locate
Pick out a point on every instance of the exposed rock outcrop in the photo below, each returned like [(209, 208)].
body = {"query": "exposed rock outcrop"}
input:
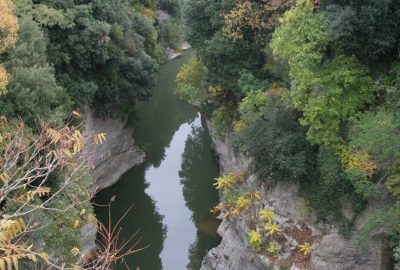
[(117, 155), (330, 251)]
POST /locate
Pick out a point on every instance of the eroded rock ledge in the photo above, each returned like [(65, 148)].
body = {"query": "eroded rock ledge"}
[(117, 155), (330, 250)]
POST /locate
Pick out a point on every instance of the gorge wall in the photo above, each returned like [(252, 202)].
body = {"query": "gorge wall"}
[(330, 250), (117, 154)]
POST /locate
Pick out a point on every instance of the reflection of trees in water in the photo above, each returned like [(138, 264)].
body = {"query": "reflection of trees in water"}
[(197, 174), (143, 218), (199, 249), (155, 122)]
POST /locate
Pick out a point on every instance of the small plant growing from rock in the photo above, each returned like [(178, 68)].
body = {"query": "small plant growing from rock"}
[(267, 215), (273, 248), (272, 228), (306, 248), (225, 181), (255, 240)]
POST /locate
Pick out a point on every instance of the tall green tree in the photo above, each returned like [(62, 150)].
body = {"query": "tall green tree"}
[(33, 90)]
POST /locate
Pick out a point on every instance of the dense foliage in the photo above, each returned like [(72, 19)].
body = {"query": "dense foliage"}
[(70, 53), (328, 118), (56, 56)]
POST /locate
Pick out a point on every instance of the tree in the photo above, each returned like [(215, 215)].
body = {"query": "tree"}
[(224, 60), (8, 25), (189, 80), (367, 29), (8, 36), (202, 19), (376, 133), (251, 19), (276, 142), (46, 196), (327, 91), (33, 90), (103, 53)]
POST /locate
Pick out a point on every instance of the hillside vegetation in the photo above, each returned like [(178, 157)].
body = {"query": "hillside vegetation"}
[(56, 56), (310, 90)]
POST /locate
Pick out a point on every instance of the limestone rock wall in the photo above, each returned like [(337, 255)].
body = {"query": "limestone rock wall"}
[(117, 155), (330, 250)]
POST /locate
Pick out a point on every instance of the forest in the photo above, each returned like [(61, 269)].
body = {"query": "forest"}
[(56, 57), (310, 90)]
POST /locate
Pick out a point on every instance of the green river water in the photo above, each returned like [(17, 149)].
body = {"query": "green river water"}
[(172, 191)]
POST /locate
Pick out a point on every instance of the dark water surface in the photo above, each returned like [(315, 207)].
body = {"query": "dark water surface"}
[(172, 192)]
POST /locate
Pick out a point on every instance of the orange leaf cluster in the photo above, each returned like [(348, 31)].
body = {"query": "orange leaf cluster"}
[(3, 79), (8, 25), (254, 16)]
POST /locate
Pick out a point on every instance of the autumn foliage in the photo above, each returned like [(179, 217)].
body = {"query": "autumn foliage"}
[(8, 25)]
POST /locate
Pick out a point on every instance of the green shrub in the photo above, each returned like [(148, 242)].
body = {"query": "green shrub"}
[(222, 119), (276, 142)]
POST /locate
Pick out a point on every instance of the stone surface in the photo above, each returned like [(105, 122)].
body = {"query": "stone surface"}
[(330, 250), (117, 155), (88, 245)]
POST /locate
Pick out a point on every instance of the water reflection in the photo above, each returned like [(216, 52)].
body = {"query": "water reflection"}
[(144, 217), (197, 175), (172, 192)]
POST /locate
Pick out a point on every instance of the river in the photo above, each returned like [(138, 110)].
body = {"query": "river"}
[(172, 192)]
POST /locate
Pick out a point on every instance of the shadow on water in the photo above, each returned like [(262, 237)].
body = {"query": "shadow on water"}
[(172, 192)]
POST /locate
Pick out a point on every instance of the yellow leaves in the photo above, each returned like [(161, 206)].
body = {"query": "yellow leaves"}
[(4, 177), (3, 80), (68, 142), (361, 160), (272, 228), (234, 206), (76, 113), (215, 90), (77, 223), (21, 252), (53, 134), (267, 215), (92, 219), (9, 229), (75, 251), (11, 260), (8, 25), (40, 192), (273, 248), (306, 248), (226, 181), (239, 125), (15, 262), (250, 15), (99, 138), (82, 212), (255, 239), (44, 257), (233, 203), (255, 195), (243, 202), (393, 184)]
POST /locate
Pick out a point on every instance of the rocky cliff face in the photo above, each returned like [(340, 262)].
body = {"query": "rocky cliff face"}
[(117, 155), (110, 160), (330, 251)]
